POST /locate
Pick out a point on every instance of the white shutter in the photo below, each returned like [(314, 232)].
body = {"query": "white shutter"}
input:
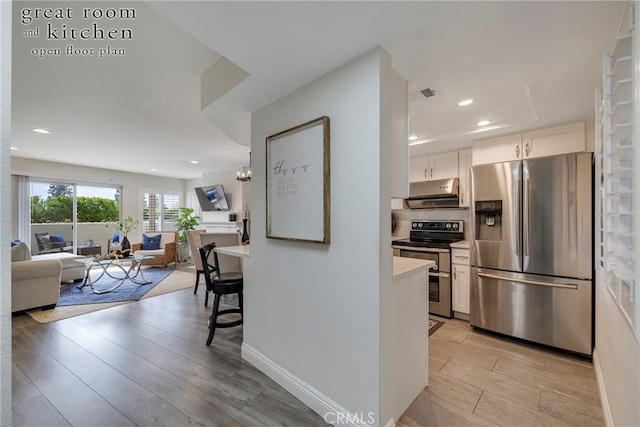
[(619, 178)]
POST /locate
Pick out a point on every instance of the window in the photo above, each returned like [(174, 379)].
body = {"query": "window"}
[(193, 203), (160, 211), (75, 212)]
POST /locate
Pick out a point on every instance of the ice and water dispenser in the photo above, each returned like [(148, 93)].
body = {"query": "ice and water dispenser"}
[(488, 220)]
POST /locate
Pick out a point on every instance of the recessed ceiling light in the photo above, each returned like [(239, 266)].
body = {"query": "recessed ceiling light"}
[(39, 130), (154, 170), (465, 102), (194, 162), (483, 122), (14, 148), (413, 137)]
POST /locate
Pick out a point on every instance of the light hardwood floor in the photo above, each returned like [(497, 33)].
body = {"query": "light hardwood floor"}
[(146, 364), (477, 379)]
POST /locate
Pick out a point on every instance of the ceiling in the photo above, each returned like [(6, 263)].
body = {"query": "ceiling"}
[(526, 65)]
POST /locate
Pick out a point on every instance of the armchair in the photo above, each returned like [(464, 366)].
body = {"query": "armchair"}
[(165, 255), (48, 244)]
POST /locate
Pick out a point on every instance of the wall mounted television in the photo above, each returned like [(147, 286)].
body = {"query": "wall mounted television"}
[(212, 198)]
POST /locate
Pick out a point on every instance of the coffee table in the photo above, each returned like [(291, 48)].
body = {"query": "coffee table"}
[(130, 267)]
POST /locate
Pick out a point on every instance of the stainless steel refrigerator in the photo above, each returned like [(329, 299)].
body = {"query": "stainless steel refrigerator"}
[(532, 250)]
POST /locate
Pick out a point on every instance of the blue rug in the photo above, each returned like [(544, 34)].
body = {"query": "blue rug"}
[(129, 291)]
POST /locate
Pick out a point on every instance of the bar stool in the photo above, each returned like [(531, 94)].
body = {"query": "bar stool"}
[(220, 283)]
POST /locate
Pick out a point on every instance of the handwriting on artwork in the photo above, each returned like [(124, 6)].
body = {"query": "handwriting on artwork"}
[(281, 169), (286, 182)]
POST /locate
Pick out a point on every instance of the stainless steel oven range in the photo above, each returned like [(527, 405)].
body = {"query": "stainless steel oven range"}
[(431, 240)]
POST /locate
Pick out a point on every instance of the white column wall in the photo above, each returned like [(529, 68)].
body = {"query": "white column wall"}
[(314, 310), (5, 213)]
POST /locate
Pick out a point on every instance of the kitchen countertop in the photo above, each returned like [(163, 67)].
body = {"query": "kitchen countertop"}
[(243, 251), (403, 267), (462, 244)]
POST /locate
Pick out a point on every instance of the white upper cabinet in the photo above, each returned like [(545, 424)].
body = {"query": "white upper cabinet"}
[(443, 165), (556, 140), (563, 139), (435, 166), (464, 173), (419, 169), (495, 150)]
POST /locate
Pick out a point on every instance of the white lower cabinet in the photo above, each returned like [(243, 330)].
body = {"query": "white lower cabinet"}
[(461, 282)]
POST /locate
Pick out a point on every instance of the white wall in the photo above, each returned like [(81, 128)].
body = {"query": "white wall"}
[(5, 232), (314, 310), (133, 184), (617, 357)]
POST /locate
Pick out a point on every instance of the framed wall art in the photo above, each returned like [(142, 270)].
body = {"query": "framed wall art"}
[(298, 183)]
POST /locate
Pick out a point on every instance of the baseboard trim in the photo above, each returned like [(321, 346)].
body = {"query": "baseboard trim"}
[(318, 402), (606, 409)]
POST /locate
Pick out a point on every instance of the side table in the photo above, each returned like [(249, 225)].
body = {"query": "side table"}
[(90, 250)]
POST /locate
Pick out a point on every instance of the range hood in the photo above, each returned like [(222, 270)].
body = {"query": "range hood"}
[(434, 194)]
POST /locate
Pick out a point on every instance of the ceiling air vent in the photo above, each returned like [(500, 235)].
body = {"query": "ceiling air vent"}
[(428, 92), (423, 93)]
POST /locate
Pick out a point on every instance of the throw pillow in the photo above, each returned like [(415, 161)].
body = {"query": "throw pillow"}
[(20, 252), (57, 241), (150, 242), (115, 238), (45, 242)]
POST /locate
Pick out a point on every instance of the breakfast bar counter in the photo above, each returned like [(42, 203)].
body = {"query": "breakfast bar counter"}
[(243, 251)]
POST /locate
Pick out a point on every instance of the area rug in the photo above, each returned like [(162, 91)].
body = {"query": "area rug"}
[(127, 291), (175, 281), (434, 325)]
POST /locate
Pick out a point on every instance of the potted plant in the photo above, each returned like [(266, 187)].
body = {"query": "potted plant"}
[(124, 227), (186, 221)]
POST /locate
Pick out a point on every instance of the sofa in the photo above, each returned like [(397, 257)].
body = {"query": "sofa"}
[(71, 270), (34, 283)]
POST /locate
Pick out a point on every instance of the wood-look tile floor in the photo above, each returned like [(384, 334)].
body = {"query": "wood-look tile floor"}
[(143, 364), (146, 364), (477, 379)]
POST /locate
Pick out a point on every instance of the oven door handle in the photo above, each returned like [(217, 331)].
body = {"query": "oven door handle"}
[(445, 275)]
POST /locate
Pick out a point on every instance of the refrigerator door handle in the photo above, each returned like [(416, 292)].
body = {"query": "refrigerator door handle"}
[(530, 282), (525, 214), (519, 215)]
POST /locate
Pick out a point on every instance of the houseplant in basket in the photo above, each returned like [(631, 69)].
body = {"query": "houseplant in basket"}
[(186, 221)]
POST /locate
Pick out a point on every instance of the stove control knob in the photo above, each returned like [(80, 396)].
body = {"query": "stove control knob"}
[(420, 225), (455, 225), (447, 225), (414, 225)]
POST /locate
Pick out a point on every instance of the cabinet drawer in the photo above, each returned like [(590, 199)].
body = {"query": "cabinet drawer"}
[(460, 256)]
